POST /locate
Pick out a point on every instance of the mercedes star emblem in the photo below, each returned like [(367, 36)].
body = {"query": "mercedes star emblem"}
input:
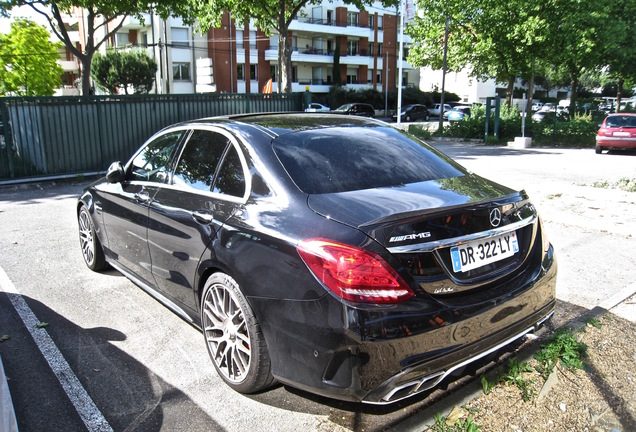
[(495, 217)]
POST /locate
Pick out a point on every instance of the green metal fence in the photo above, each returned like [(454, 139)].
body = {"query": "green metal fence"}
[(51, 137)]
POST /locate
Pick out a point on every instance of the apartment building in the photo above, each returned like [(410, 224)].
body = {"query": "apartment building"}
[(244, 58)]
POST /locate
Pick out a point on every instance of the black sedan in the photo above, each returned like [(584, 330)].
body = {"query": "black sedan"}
[(413, 113), (332, 253)]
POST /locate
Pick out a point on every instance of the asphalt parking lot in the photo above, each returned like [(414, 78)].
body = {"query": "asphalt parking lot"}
[(90, 351)]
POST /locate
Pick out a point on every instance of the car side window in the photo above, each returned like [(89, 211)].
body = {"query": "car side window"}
[(200, 159), (231, 178), (153, 162)]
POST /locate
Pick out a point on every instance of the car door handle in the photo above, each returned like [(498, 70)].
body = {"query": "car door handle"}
[(202, 218), (142, 196)]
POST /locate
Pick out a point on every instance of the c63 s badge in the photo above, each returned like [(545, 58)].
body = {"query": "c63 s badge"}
[(410, 237)]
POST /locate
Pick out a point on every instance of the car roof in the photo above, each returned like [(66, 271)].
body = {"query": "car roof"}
[(277, 124)]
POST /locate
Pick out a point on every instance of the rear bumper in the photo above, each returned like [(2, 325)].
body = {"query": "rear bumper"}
[(615, 142), (380, 356), (425, 376)]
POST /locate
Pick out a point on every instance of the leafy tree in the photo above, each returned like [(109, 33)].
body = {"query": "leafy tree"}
[(620, 53), (29, 61), (103, 19), (497, 39), (268, 15), (124, 69), (581, 30)]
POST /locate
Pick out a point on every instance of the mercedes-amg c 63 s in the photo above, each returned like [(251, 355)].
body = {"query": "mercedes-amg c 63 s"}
[(331, 253)]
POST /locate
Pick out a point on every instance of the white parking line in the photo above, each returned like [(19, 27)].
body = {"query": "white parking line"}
[(86, 408)]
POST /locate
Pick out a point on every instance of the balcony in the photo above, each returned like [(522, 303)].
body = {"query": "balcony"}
[(69, 65), (132, 23), (313, 25)]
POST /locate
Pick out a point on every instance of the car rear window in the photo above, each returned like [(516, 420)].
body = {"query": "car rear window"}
[(620, 121), (343, 159)]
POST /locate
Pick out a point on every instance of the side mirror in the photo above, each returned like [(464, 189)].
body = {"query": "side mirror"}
[(115, 173)]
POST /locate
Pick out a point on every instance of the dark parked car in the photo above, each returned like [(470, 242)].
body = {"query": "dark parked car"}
[(332, 253), (412, 113), (618, 131), (359, 109)]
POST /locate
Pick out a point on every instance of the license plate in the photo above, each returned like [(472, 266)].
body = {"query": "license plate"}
[(621, 134), (478, 253)]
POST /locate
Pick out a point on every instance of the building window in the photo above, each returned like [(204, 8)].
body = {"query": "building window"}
[(352, 76), (379, 49), (352, 19), (144, 39), (180, 37), (239, 39), (378, 77), (240, 73), (272, 72), (181, 71), (371, 21), (371, 46), (121, 39), (352, 48), (252, 36), (379, 23), (253, 72)]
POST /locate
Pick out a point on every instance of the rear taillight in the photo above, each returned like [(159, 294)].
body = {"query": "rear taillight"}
[(352, 273)]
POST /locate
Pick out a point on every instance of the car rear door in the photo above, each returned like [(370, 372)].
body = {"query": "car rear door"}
[(209, 184)]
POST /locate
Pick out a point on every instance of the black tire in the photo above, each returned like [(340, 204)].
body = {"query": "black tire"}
[(233, 336), (598, 150), (92, 250)]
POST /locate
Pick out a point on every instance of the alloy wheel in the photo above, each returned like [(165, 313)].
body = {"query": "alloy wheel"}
[(87, 241), (226, 332)]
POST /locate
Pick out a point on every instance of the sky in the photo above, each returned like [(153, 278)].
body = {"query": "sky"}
[(23, 11)]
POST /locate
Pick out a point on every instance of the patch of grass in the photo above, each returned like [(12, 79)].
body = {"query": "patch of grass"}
[(487, 385), (441, 425), (493, 141), (594, 322), (513, 376), (563, 347), (627, 184), (420, 131), (601, 184)]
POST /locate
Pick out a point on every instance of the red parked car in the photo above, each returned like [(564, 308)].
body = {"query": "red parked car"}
[(618, 131)]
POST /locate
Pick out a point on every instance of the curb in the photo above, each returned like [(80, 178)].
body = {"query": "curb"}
[(8, 422)]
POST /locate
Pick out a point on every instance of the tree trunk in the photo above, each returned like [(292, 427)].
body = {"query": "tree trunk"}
[(284, 60), (337, 79), (86, 74), (510, 90), (619, 94), (574, 86), (530, 89)]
